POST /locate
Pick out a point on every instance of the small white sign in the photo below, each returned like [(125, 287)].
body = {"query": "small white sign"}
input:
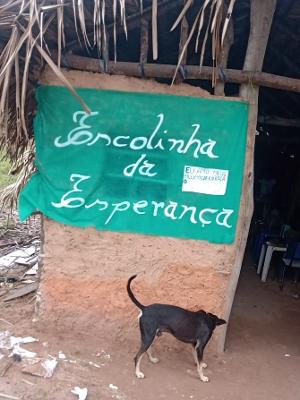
[(205, 180)]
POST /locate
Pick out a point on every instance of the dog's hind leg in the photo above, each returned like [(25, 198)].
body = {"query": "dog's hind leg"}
[(200, 364), (195, 354), (147, 339)]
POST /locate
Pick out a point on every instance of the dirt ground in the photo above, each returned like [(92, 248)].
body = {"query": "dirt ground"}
[(262, 359)]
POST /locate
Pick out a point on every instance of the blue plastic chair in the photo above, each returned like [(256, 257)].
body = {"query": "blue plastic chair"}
[(259, 240), (291, 259)]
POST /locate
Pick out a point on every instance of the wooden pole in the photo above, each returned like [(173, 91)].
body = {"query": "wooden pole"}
[(192, 72), (144, 41), (260, 24), (222, 63), (184, 33)]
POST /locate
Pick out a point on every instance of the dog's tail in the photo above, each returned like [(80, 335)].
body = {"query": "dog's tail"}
[(131, 295)]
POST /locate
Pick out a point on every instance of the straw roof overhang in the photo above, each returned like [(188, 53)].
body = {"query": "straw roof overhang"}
[(34, 33)]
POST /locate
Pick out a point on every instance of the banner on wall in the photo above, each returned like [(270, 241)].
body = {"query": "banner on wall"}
[(144, 163)]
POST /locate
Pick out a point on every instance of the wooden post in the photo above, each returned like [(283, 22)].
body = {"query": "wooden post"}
[(144, 40), (184, 33), (228, 41), (260, 24)]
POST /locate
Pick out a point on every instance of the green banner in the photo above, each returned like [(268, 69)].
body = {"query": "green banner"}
[(146, 163)]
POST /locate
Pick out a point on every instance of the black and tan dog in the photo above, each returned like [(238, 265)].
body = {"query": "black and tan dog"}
[(195, 328)]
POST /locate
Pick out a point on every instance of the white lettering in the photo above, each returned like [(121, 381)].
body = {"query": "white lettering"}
[(102, 203), (143, 169), (157, 206), (187, 209), (141, 139), (205, 211), (194, 141), (80, 134), (83, 134), (138, 205), (116, 141), (170, 210), (207, 148), (100, 136), (159, 144), (72, 202), (226, 213), (118, 207)]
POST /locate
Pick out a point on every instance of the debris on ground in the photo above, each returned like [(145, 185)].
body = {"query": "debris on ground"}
[(95, 365), (103, 354), (43, 368), (49, 366), (61, 355), (15, 234), (81, 393), (7, 396), (20, 249), (11, 351), (21, 291)]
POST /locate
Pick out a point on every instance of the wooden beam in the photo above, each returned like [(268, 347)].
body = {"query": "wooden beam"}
[(192, 72), (278, 121)]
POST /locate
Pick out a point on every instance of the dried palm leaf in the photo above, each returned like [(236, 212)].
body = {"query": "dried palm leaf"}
[(227, 20), (186, 44), (203, 47), (104, 44), (122, 4), (81, 16), (61, 76), (18, 102), (75, 20), (60, 30), (97, 26), (201, 21), (25, 167), (182, 14), (217, 5)]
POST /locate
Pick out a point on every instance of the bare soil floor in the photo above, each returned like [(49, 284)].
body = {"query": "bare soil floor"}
[(262, 360)]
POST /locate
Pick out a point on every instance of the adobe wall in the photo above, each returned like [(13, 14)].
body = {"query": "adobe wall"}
[(84, 271)]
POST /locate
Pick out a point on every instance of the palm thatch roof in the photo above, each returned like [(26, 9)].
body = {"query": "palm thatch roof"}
[(31, 31)]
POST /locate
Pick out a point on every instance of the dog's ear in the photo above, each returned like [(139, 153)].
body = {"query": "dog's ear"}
[(217, 320)]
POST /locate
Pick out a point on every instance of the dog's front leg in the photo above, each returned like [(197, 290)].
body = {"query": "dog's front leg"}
[(200, 364), (137, 362)]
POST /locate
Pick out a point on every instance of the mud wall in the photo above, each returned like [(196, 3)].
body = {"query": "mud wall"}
[(84, 271)]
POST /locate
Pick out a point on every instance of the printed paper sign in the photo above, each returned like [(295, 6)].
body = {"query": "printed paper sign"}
[(205, 180)]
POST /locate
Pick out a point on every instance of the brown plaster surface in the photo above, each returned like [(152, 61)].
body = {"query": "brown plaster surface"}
[(84, 274)]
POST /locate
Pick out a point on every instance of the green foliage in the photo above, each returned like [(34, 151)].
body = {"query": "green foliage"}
[(5, 179)]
